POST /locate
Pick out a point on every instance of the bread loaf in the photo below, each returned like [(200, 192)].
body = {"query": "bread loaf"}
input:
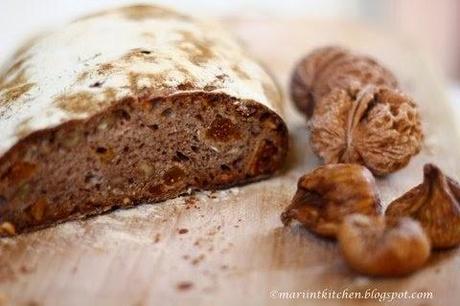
[(131, 105)]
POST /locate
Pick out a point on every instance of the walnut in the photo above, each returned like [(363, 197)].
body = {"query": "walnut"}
[(372, 247), (358, 115), (435, 203), (327, 194), (7, 229)]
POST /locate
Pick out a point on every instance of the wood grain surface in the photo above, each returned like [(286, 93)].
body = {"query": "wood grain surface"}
[(229, 247)]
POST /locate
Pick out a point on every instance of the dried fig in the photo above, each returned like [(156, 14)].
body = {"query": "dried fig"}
[(358, 115), (435, 203), (327, 194), (373, 248)]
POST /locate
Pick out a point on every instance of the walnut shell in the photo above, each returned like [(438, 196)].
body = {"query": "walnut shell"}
[(376, 127), (372, 247), (435, 203), (333, 67), (358, 115), (329, 193)]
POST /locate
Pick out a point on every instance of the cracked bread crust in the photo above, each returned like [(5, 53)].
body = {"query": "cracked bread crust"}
[(90, 64), (139, 150)]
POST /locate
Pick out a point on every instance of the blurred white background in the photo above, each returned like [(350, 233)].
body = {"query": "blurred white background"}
[(432, 25)]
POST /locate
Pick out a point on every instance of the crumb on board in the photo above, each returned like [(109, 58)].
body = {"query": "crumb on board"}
[(185, 285), (198, 259), (183, 231)]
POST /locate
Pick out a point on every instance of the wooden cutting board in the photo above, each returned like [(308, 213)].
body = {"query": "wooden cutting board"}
[(229, 247)]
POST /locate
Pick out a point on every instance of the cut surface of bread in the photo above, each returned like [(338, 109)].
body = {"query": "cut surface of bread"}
[(139, 150)]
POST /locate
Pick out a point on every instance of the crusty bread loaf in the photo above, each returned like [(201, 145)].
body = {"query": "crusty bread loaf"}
[(137, 104)]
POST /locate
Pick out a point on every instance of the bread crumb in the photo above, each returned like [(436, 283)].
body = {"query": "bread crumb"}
[(183, 286), (198, 259), (183, 231)]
